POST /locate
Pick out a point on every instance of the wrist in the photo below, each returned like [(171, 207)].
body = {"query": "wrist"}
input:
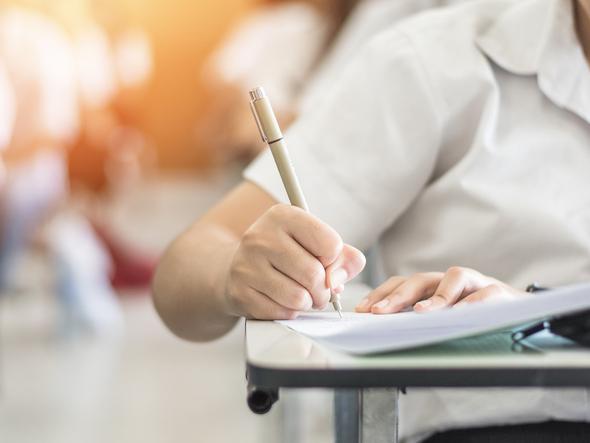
[(222, 281)]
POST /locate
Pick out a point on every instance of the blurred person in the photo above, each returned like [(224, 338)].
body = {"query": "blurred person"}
[(459, 131), (41, 64), (106, 157), (7, 116), (278, 45)]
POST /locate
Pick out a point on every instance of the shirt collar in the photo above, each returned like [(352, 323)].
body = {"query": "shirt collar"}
[(538, 37)]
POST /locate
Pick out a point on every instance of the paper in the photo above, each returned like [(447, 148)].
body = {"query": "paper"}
[(368, 333)]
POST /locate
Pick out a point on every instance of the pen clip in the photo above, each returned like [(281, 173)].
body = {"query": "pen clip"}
[(258, 123)]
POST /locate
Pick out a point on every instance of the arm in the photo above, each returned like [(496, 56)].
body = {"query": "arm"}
[(249, 257)]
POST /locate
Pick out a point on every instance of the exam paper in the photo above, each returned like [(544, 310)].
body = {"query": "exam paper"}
[(367, 333)]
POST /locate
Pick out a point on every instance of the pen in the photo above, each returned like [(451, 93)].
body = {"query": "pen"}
[(271, 135)]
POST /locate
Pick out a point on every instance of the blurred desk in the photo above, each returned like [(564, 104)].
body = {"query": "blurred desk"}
[(366, 387)]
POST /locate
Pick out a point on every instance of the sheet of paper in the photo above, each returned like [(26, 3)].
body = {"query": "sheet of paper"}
[(367, 333)]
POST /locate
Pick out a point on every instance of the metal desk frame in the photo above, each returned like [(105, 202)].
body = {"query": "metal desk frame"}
[(367, 388)]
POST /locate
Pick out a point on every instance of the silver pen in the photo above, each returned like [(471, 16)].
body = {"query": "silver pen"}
[(271, 135)]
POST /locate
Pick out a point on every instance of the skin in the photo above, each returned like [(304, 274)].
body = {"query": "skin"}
[(250, 257), (430, 291)]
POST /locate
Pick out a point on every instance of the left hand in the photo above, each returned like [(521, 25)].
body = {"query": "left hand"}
[(435, 290)]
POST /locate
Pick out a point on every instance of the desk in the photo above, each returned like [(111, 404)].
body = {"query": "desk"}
[(366, 387)]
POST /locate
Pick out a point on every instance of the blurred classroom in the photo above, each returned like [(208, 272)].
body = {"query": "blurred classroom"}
[(121, 121)]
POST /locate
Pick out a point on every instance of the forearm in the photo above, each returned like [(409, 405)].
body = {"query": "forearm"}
[(189, 285)]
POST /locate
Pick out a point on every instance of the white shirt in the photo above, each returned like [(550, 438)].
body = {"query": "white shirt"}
[(461, 137), (367, 19)]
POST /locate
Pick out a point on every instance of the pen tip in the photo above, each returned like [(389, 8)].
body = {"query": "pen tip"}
[(336, 303)]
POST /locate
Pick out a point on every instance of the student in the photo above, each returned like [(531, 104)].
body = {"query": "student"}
[(39, 65), (460, 136)]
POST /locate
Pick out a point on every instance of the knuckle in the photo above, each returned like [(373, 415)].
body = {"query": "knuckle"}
[(336, 242), (374, 298), (283, 314), (238, 271), (321, 298), (300, 299), (495, 287), (393, 280), (250, 238), (278, 211), (314, 275), (456, 271), (396, 304), (442, 297), (376, 294), (327, 237), (256, 242), (420, 276)]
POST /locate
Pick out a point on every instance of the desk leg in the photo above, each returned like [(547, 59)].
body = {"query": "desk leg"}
[(347, 410), (366, 415), (292, 419)]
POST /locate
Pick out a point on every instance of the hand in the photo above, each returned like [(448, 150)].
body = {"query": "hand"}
[(286, 262), (435, 290)]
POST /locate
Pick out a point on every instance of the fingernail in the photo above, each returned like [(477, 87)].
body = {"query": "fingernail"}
[(338, 289), (338, 277), (424, 303), (363, 303), (381, 304)]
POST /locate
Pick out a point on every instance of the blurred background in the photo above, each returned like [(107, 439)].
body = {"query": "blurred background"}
[(121, 122)]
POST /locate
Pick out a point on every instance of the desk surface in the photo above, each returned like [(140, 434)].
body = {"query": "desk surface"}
[(279, 357)]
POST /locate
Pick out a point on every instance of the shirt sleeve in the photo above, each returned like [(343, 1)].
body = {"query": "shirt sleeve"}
[(368, 148)]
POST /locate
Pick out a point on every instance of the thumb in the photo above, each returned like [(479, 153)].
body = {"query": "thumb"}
[(348, 265)]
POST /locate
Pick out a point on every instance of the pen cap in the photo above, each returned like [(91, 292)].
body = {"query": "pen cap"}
[(265, 117)]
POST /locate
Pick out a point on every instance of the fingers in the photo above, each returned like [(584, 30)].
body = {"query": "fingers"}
[(284, 256), (285, 291), (262, 307), (493, 291), (435, 290), (315, 236), (414, 289), (379, 293), (398, 293), (457, 283), (291, 259), (347, 266)]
